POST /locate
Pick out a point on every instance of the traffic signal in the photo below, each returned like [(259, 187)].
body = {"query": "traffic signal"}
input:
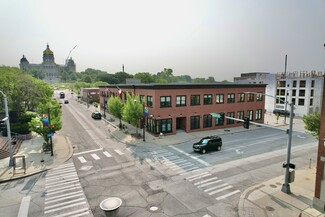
[(222, 117), (246, 122), (53, 127), (2, 126)]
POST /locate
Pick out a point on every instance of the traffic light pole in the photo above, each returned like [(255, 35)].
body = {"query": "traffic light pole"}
[(50, 126), (11, 163)]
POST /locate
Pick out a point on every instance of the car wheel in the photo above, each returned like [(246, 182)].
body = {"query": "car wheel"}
[(204, 151), (219, 148)]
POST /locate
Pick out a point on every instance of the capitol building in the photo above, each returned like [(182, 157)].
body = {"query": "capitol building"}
[(51, 70)]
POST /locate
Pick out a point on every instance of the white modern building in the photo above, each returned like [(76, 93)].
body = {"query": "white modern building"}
[(303, 89)]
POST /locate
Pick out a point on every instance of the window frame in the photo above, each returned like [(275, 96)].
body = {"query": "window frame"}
[(195, 100), (220, 98), (207, 99), (179, 98), (230, 98), (165, 104)]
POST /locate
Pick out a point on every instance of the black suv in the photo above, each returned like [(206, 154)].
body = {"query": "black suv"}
[(208, 144), (96, 115)]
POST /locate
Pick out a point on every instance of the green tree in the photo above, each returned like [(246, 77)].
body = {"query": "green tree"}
[(312, 123), (122, 76), (115, 106), (133, 110), (145, 77), (36, 124)]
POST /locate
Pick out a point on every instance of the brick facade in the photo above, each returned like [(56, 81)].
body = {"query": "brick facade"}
[(172, 106)]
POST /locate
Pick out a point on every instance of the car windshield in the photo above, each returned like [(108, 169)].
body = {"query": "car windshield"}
[(204, 141)]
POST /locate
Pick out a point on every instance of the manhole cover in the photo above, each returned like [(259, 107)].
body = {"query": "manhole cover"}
[(269, 208), (273, 186), (153, 208)]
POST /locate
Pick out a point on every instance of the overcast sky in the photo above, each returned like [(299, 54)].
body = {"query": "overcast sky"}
[(199, 38)]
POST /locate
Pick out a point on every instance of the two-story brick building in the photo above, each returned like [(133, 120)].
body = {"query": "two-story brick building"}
[(188, 107)]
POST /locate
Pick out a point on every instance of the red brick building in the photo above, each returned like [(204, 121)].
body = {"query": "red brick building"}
[(187, 107)]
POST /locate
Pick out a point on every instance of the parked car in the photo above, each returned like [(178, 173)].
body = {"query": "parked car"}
[(66, 101), (209, 143), (96, 115)]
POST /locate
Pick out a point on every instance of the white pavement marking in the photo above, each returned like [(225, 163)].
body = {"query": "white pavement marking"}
[(219, 190), (60, 196), (62, 176), (65, 207), (227, 195), (209, 183), (64, 198), (171, 157), (24, 206), (118, 151), (206, 215), (192, 171), (195, 177), (85, 152), (61, 183), (206, 180), (189, 155), (80, 212), (95, 156), (107, 154), (215, 187), (82, 160), (178, 161), (64, 203), (65, 187), (57, 192)]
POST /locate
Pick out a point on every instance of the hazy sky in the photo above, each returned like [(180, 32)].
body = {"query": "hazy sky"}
[(199, 38)]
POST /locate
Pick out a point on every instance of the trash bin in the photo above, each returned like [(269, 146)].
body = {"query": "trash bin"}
[(111, 206)]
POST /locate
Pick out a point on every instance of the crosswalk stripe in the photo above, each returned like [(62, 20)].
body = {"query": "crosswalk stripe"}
[(190, 171), (56, 173), (49, 199), (61, 183), (62, 176), (57, 192), (219, 190), (215, 187), (190, 177), (65, 207), (82, 159), (69, 165), (66, 180), (118, 151), (209, 183), (107, 154), (65, 187), (199, 177), (189, 165), (79, 212), (64, 198), (206, 180), (64, 203), (95, 156), (175, 162), (227, 195), (171, 157)]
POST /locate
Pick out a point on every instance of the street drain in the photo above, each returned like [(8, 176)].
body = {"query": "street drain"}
[(153, 208), (269, 208)]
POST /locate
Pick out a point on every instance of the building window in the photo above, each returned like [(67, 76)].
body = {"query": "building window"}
[(250, 114), (149, 101), (301, 92), (142, 98), (301, 101), (312, 92), (219, 122), (231, 98), (259, 96), (280, 92), (219, 98), (240, 115), (258, 114), (230, 114), (207, 99), (294, 84), (250, 97), (195, 99), (281, 83), (241, 97), (311, 102), (180, 100), (293, 101), (166, 125), (294, 92), (195, 122), (207, 121), (165, 101), (280, 100), (302, 83), (312, 83)]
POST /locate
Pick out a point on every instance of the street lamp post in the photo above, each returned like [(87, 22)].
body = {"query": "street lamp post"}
[(144, 124), (8, 128), (286, 186)]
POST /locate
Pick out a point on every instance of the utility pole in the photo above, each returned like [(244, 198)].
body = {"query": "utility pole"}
[(285, 105), (11, 163), (50, 126)]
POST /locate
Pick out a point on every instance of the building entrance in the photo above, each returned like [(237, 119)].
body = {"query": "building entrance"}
[(181, 123)]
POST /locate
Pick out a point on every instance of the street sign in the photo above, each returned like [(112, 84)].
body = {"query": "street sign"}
[(215, 115), (51, 134)]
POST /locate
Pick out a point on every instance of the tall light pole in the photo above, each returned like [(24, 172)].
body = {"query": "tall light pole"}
[(8, 128), (286, 186)]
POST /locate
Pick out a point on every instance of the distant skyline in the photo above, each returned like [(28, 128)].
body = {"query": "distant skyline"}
[(202, 38)]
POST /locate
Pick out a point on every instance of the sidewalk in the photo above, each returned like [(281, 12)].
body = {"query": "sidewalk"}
[(265, 199)]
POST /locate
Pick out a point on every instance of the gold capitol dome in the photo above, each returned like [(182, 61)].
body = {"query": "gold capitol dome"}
[(47, 51)]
